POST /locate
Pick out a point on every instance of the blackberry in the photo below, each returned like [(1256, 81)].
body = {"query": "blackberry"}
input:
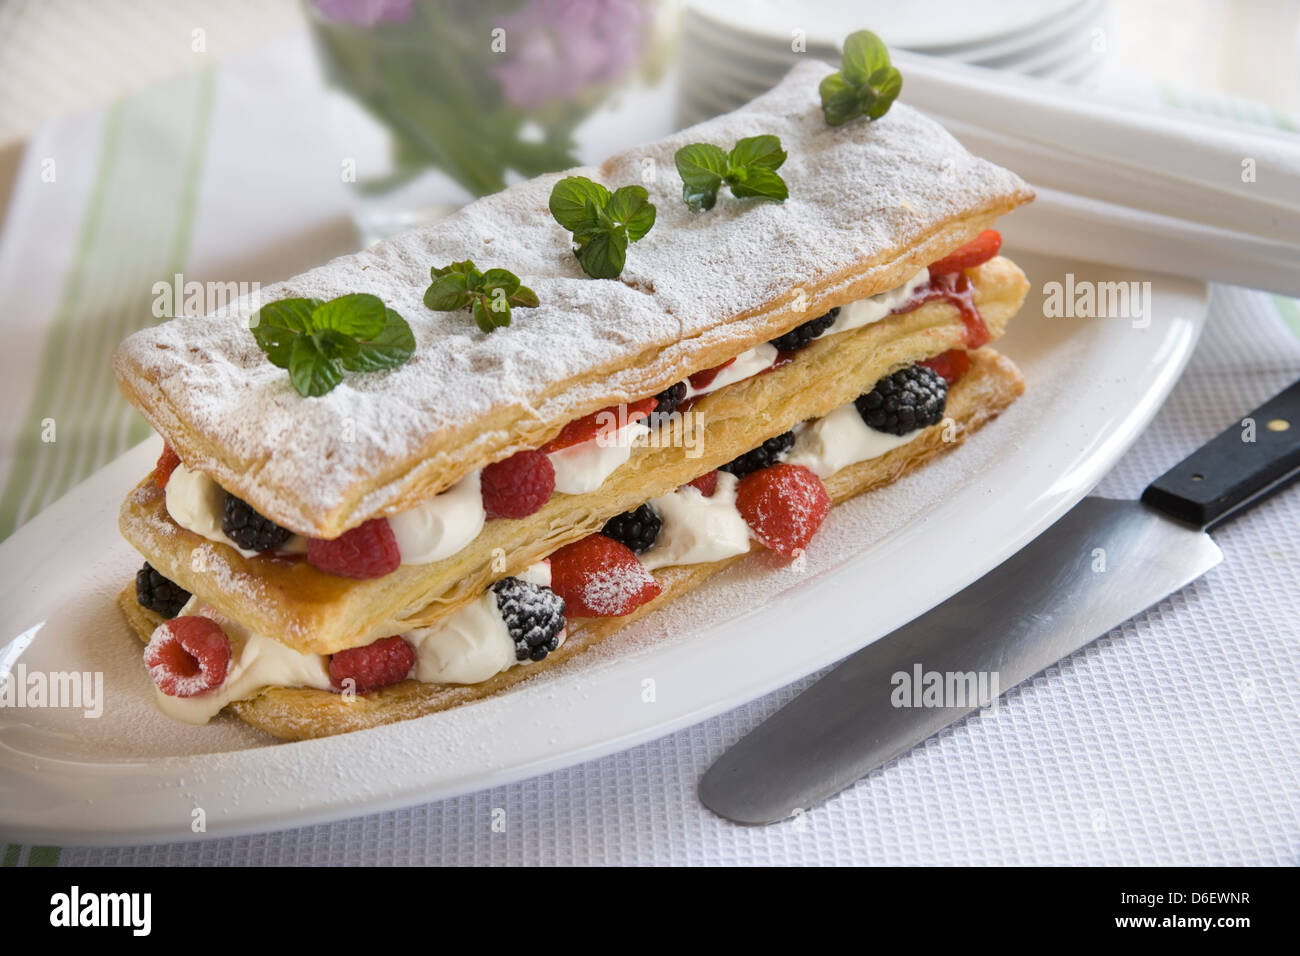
[(534, 616), (670, 398), (159, 594), (765, 455), (637, 529), (801, 336), (904, 401), (248, 529)]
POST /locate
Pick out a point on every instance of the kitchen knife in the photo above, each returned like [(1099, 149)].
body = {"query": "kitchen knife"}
[(1099, 565)]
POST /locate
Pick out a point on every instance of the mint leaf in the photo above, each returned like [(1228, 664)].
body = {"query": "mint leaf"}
[(574, 198), (390, 347), (489, 315), (864, 54), (763, 151), (317, 340), (448, 293), (359, 315), (749, 169), (760, 183), (702, 167), (604, 255), (630, 207), (866, 85), (277, 324), (487, 296), (602, 223), (311, 372)]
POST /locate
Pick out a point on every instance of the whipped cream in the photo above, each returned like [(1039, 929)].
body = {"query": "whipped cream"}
[(841, 439), (874, 308), (256, 662), (197, 503), (697, 529), (583, 468), (746, 365), (473, 644), (438, 528)]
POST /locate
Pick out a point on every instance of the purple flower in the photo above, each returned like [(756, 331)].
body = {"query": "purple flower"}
[(365, 13), (557, 48)]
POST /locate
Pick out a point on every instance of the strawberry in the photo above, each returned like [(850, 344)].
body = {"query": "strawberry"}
[(603, 421), (187, 656), (980, 249), (707, 483), (378, 664), (518, 486), (783, 505), (951, 365), (167, 463), (367, 551), (599, 577)]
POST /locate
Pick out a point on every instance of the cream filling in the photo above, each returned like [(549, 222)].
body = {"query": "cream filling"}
[(582, 468), (697, 529), (874, 308), (841, 439), (746, 365), (441, 526)]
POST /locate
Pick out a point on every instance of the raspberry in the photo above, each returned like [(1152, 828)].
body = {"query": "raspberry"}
[(707, 484), (167, 463), (386, 661), (637, 528), (598, 577), (605, 420), (784, 506), (533, 614), (367, 551), (518, 486), (248, 529), (188, 655), (764, 456), (980, 249), (903, 401), (801, 336), (950, 365), (159, 594)]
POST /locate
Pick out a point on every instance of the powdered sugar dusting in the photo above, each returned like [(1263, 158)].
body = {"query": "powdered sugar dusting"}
[(612, 590), (857, 191)]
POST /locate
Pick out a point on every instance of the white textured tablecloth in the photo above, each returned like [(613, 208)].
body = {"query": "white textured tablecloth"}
[(1175, 739)]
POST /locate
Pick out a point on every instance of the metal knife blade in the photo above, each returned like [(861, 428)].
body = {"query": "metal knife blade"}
[(1102, 563)]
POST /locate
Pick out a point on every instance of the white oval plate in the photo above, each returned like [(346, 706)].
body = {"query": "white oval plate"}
[(130, 775)]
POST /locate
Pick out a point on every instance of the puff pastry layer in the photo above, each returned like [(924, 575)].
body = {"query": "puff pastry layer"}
[(312, 611), (991, 384), (870, 205)]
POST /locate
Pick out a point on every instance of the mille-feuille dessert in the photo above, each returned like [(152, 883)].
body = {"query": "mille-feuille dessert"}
[(377, 499)]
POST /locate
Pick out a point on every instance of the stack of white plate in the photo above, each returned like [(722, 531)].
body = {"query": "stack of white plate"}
[(733, 50)]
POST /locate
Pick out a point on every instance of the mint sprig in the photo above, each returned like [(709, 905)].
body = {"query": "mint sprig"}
[(866, 84), (487, 295), (317, 341), (602, 223), (749, 169)]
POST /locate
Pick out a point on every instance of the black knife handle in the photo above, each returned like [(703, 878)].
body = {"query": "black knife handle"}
[(1231, 471)]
